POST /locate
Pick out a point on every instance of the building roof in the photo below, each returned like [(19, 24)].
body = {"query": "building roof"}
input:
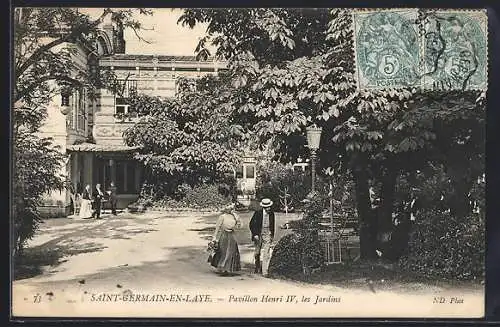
[(121, 56), (160, 61), (91, 147)]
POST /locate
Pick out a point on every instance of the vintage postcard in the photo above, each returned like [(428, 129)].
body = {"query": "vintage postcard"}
[(248, 163)]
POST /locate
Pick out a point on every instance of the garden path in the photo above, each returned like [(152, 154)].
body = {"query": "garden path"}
[(74, 262)]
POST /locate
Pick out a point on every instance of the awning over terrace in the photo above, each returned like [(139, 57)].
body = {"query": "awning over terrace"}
[(91, 147)]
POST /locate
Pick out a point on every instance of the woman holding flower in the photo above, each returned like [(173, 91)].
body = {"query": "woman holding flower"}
[(227, 260)]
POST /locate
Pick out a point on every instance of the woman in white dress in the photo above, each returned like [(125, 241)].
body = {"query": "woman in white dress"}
[(86, 204), (228, 259)]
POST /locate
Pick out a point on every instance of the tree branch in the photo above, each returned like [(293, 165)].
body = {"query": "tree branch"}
[(21, 94), (122, 90), (99, 20), (139, 36), (39, 52), (44, 48)]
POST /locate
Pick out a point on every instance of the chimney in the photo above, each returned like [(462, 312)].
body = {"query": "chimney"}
[(118, 39)]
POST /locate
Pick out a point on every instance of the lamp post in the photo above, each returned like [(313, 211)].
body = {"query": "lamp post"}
[(65, 108), (313, 140)]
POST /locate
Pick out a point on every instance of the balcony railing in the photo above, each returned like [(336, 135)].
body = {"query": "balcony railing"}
[(128, 87)]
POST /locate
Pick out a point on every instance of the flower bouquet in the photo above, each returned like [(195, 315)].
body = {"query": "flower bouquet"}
[(213, 253)]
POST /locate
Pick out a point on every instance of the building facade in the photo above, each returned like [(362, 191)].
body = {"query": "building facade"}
[(89, 129)]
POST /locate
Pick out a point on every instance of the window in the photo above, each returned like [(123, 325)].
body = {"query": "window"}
[(126, 177), (250, 171), (72, 117), (121, 106), (239, 172), (80, 119), (81, 167), (102, 48), (129, 87), (104, 174), (77, 103)]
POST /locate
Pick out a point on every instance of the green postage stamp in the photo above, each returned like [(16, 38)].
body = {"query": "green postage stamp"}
[(431, 49), (387, 48)]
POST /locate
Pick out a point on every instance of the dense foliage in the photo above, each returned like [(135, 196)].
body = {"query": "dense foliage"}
[(294, 68), (188, 140), (277, 182), (37, 164), (191, 135), (447, 246), (286, 260), (444, 244)]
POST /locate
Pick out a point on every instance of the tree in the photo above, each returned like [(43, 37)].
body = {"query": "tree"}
[(37, 162), (190, 139), (44, 45), (44, 42), (293, 68)]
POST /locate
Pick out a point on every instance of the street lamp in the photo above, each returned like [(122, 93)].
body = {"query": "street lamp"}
[(313, 140), (65, 108)]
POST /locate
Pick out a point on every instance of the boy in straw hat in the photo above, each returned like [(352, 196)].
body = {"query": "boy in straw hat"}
[(262, 229)]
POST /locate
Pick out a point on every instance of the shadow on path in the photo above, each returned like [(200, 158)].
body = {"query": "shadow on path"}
[(183, 267), (32, 260), (73, 238)]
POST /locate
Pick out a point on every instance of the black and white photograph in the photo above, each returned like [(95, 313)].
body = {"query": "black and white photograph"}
[(248, 162)]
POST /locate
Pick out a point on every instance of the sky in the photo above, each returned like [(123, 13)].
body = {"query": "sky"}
[(166, 37)]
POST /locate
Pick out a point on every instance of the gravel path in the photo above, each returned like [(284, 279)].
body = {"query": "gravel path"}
[(154, 265)]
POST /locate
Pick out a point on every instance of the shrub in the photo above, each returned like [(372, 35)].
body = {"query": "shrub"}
[(178, 191), (447, 240), (313, 256), (286, 259), (181, 191), (446, 246), (227, 187), (300, 251), (200, 197), (205, 196)]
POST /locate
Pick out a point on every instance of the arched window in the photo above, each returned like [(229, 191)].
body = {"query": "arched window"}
[(103, 45)]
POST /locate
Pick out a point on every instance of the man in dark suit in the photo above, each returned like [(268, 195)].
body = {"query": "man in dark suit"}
[(112, 197), (98, 195), (262, 228)]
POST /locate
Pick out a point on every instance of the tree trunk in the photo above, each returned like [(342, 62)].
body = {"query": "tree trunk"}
[(367, 240), (461, 182), (387, 200), (460, 205)]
